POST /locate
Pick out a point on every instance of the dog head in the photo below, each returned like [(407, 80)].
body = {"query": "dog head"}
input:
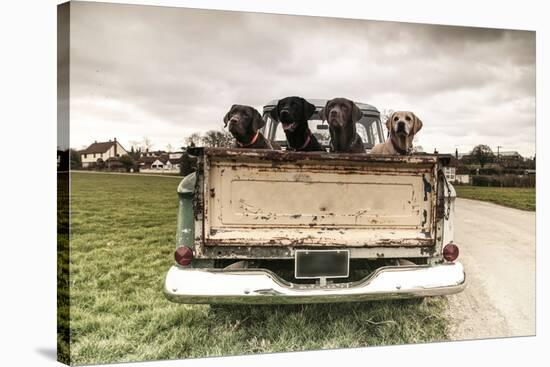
[(341, 112), (293, 113), (243, 121), (403, 124)]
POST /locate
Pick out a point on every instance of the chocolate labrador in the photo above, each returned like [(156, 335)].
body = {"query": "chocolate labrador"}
[(293, 114), (244, 124), (402, 127), (342, 114)]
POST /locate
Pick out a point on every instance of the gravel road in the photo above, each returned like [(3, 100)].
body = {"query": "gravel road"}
[(497, 248)]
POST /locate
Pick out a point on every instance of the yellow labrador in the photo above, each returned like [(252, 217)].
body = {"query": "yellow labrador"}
[(402, 126)]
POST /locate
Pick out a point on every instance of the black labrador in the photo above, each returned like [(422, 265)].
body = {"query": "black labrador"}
[(244, 124), (342, 114), (293, 114)]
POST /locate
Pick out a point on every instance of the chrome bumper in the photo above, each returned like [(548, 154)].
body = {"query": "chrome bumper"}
[(260, 286)]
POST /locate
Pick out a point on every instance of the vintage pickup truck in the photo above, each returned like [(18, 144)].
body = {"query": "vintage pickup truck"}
[(275, 227)]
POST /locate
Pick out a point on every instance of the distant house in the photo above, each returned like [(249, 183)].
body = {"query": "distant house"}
[(454, 177), (510, 156), (450, 169), (153, 153), (175, 156), (464, 158), (146, 162), (462, 179), (158, 162), (99, 153), (451, 172)]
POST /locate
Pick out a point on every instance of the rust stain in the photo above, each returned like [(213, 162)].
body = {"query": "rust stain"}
[(282, 252), (276, 156), (310, 241)]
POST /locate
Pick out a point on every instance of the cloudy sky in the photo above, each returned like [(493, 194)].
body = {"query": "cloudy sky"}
[(164, 73)]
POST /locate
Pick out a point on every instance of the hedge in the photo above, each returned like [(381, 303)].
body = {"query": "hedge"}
[(504, 181)]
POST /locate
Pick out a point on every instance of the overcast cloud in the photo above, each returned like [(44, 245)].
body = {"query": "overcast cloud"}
[(166, 72)]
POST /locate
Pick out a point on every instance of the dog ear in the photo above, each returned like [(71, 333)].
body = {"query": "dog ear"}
[(323, 112), (356, 113), (227, 116), (417, 124), (309, 109), (274, 113), (388, 122), (257, 121)]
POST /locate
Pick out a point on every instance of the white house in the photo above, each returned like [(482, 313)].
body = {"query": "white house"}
[(462, 179), (100, 152), (164, 164), (450, 173), (510, 156), (175, 156), (161, 162), (157, 164)]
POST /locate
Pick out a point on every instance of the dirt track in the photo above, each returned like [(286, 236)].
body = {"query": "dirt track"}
[(497, 248)]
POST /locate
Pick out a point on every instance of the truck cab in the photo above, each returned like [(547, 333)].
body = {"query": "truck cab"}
[(369, 128)]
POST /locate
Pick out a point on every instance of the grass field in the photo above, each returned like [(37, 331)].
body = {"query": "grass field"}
[(514, 197), (122, 242)]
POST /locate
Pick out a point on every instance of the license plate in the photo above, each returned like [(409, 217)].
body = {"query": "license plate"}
[(313, 264)]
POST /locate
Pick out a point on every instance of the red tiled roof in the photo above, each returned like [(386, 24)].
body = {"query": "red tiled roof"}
[(148, 159), (163, 158), (98, 147), (102, 147)]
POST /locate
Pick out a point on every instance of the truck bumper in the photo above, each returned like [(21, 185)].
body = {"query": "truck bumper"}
[(261, 286)]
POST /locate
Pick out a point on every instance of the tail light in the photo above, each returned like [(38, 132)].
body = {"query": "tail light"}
[(183, 255), (450, 252)]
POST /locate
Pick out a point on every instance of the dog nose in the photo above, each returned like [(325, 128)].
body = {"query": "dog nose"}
[(401, 125), (284, 113), (333, 112), (233, 120)]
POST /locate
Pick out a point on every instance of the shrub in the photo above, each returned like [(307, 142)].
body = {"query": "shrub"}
[(504, 181)]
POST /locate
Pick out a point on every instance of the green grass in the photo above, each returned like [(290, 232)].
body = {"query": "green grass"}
[(514, 197), (122, 241)]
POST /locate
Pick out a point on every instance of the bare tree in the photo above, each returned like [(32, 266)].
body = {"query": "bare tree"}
[(169, 147), (482, 154), (386, 113), (194, 139), (135, 144), (211, 138), (217, 138), (147, 144)]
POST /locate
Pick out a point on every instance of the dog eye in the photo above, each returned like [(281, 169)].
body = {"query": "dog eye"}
[(395, 118), (408, 118)]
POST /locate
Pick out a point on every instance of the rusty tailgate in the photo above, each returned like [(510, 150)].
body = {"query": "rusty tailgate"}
[(280, 198)]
